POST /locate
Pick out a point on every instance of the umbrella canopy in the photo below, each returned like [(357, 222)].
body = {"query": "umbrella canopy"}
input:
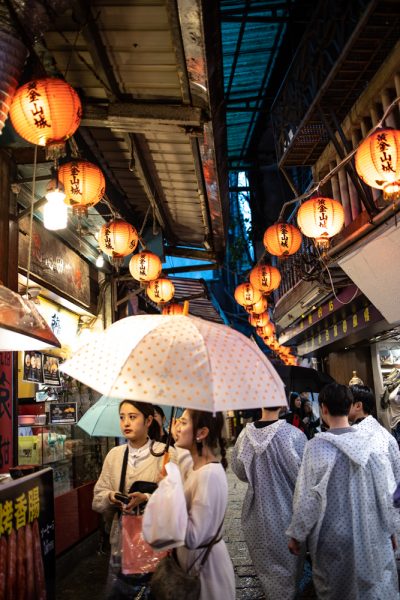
[(178, 361), (303, 379), (102, 419)]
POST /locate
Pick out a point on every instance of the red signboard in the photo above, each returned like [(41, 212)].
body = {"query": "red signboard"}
[(6, 411)]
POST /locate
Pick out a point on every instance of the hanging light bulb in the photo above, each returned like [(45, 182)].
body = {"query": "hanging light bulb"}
[(100, 261), (55, 211)]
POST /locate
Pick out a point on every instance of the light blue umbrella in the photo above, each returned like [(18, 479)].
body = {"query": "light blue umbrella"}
[(102, 419)]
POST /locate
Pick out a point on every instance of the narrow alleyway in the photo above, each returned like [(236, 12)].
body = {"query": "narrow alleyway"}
[(88, 576)]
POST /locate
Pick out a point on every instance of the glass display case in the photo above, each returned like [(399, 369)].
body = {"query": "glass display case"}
[(75, 458)]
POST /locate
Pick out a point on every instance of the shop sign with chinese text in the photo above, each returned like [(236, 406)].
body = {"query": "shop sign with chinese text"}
[(27, 542)]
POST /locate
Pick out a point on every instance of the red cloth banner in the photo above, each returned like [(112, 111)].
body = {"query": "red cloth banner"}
[(6, 411)]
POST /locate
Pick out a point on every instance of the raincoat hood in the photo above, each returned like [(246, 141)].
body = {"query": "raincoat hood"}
[(260, 439), (357, 445)]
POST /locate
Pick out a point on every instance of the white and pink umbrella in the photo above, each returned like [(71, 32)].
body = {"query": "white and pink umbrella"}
[(178, 360)]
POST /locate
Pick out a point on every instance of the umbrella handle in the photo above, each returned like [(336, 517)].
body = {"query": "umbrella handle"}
[(167, 445)]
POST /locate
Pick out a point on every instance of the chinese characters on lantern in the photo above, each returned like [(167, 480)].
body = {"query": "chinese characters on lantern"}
[(266, 279), (284, 238), (107, 238), (322, 210), (74, 180), (385, 157), (36, 107), (142, 266)]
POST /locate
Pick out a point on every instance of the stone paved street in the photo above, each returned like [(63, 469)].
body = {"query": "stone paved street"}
[(247, 584)]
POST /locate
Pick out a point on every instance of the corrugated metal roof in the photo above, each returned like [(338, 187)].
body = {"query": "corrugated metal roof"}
[(148, 114), (252, 32), (196, 291)]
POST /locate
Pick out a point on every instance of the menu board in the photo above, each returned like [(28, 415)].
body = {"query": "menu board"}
[(41, 368), (63, 412), (27, 543)]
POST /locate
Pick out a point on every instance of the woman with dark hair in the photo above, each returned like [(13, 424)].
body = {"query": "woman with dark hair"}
[(206, 492), (159, 418), (139, 460), (296, 415)]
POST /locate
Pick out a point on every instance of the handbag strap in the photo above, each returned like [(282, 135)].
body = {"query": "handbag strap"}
[(123, 471), (208, 547), (214, 541)]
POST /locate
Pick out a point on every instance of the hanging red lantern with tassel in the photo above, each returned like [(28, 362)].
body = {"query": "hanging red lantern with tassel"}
[(46, 112), (118, 239), (377, 162), (84, 185)]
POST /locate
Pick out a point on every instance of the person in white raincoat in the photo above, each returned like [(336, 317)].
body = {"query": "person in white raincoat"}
[(342, 509), (267, 455), (361, 417)]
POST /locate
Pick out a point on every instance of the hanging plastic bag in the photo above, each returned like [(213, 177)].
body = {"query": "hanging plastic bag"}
[(137, 557), (165, 517)]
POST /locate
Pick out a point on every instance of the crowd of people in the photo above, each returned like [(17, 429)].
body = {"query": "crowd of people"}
[(330, 496), (319, 489)]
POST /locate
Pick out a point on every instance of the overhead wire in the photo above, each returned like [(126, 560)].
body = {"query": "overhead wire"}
[(340, 165)]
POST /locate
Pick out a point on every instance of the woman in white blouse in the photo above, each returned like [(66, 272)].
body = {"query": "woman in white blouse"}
[(139, 428), (206, 493)]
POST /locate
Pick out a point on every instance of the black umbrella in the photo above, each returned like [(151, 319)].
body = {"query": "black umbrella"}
[(302, 379)]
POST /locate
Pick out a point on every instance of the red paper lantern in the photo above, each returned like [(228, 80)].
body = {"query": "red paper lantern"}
[(267, 331), (265, 278), (160, 290), (282, 239), (46, 112), (118, 239), (258, 308), (259, 320), (145, 266), (377, 162), (84, 184), (247, 295), (173, 309), (320, 218)]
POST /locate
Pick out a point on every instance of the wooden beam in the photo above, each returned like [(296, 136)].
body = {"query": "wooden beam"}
[(191, 268), (194, 253), (144, 117)]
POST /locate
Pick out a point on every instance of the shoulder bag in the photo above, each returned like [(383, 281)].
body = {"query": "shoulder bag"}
[(137, 557), (171, 582)]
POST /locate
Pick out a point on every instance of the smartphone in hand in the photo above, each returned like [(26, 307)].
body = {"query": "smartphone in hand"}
[(122, 498)]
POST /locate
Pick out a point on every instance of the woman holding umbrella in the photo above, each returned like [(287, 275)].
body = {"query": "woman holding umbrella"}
[(206, 492), (140, 460)]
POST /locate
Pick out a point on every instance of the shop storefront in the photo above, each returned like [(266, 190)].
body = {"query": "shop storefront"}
[(41, 405), (337, 335)]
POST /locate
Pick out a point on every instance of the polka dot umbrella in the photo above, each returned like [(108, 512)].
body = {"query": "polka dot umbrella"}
[(178, 360)]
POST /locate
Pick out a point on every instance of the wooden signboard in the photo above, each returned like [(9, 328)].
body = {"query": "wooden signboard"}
[(54, 263)]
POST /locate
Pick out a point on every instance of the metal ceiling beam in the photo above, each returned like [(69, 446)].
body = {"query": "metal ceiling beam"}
[(136, 117), (191, 268), (147, 173), (91, 34), (238, 45), (255, 19), (191, 253)]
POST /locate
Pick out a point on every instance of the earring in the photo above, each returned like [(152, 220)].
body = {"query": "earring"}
[(197, 440)]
